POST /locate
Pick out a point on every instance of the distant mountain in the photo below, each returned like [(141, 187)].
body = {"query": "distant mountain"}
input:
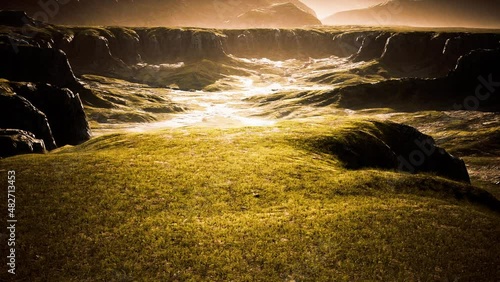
[(277, 15), (199, 13), (325, 8), (435, 13)]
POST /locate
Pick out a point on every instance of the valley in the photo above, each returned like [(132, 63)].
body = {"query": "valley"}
[(307, 154)]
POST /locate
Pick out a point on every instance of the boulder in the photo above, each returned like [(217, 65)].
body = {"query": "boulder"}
[(16, 142), (63, 109), (17, 112)]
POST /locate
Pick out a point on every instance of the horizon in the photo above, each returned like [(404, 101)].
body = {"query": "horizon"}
[(326, 8)]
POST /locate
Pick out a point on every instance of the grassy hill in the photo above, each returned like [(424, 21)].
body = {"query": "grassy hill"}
[(242, 204)]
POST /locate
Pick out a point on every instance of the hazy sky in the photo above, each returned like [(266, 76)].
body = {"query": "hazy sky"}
[(325, 8)]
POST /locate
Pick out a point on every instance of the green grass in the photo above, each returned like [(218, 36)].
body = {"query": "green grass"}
[(243, 204)]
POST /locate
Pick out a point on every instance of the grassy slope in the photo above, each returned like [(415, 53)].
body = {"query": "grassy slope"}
[(127, 101), (246, 204)]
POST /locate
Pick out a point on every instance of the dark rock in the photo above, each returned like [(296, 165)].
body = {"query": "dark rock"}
[(347, 43), (88, 51), (17, 112), (372, 47), (415, 53), (164, 45), (460, 45), (63, 109), (16, 142), (418, 152), (15, 18), (33, 64), (392, 146), (474, 64), (281, 44), (124, 44), (472, 85), (359, 149)]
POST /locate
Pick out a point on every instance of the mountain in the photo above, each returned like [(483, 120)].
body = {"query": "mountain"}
[(435, 13), (199, 13), (283, 15), (325, 8)]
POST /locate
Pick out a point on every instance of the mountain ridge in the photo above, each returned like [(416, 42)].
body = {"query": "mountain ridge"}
[(424, 13), (149, 13)]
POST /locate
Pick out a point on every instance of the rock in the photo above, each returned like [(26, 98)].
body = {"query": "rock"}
[(15, 18), (124, 45), (460, 45), (392, 146), (16, 142), (88, 51), (418, 152), (34, 64), (63, 109), (359, 149), (415, 53), (372, 47), (475, 64), (18, 113), (165, 45), (280, 44), (472, 85)]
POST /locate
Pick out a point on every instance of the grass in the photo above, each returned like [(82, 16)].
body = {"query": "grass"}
[(127, 102), (241, 204)]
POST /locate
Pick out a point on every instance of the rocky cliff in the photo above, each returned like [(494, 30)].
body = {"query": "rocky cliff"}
[(471, 85), (423, 54)]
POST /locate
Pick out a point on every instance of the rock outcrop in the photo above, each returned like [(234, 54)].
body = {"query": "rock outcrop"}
[(63, 109), (16, 142), (472, 85), (393, 146), (417, 152), (35, 64), (18, 113)]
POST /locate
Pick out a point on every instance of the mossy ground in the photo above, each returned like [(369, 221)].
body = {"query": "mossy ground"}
[(241, 204)]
